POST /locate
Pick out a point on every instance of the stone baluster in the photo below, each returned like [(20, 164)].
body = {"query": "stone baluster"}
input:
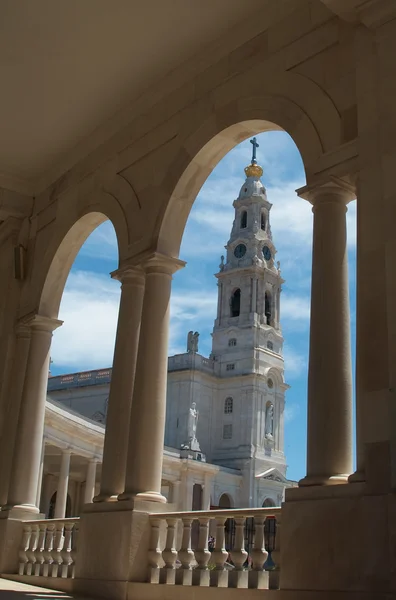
[(258, 578), (74, 547), (274, 575), (57, 549), (23, 557), (169, 554), (40, 556), (154, 553), (66, 550), (219, 577), (238, 577), (31, 551), (49, 546), (186, 555), (201, 575)]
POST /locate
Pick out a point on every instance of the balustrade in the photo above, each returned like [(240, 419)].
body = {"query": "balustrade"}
[(48, 548), (240, 563)]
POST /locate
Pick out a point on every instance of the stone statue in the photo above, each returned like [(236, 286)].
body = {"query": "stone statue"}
[(269, 422), (221, 265), (192, 422), (195, 341), (192, 342)]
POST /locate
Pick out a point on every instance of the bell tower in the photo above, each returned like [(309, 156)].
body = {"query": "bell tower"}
[(247, 340), (249, 281)]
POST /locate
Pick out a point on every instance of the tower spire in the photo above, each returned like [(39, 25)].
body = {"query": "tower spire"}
[(254, 170)]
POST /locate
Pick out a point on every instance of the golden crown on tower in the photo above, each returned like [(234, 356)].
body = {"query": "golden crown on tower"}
[(253, 170)]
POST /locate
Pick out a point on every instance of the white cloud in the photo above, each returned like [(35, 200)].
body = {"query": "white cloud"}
[(295, 308), (89, 310), (295, 362), (291, 412)]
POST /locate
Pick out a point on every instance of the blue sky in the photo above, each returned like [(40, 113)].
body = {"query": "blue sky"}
[(90, 302)]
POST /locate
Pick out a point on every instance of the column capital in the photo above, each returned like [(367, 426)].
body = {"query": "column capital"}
[(160, 263), (39, 323), (338, 190), (133, 274)]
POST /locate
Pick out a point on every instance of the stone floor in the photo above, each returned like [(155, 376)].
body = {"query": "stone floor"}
[(12, 590)]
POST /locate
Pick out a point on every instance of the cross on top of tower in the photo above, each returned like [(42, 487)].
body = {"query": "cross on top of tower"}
[(255, 146)]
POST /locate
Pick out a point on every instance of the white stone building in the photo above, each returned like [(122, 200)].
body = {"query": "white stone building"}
[(235, 398)]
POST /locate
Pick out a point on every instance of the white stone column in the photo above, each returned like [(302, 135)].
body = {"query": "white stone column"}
[(63, 484), (90, 481), (147, 423), (40, 479), (329, 451), (254, 295), (176, 493), (122, 382), (29, 437), (206, 492)]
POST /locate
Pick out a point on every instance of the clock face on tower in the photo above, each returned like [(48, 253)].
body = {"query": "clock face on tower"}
[(267, 253), (240, 251)]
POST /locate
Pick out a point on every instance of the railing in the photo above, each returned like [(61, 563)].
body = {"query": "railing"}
[(48, 548), (237, 562)]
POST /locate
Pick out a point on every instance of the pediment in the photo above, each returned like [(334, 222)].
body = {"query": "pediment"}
[(272, 474)]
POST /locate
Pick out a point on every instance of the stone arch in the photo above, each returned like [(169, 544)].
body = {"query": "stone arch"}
[(52, 503), (292, 103), (269, 503), (225, 501), (275, 375), (69, 236)]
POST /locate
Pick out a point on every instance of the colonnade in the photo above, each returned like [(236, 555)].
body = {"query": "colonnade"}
[(133, 448)]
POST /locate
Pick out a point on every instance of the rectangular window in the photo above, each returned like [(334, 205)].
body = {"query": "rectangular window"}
[(230, 366), (227, 431)]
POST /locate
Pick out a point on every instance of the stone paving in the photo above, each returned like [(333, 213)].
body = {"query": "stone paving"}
[(13, 590)]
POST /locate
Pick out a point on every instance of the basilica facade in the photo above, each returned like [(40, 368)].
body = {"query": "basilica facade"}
[(224, 431)]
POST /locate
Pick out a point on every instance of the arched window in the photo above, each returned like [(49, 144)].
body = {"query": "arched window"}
[(225, 501), (262, 221), (267, 308), (228, 406), (51, 510), (243, 219), (270, 345), (236, 303), (232, 342), (268, 503)]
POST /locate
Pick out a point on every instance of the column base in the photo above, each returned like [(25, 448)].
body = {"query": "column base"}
[(21, 511), (337, 541), (113, 545), (143, 496), (357, 477), (323, 480), (103, 498)]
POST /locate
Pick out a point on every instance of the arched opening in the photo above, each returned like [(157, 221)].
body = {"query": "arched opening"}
[(267, 308), (52, 504), (244, 219), (225, 501), (235, 303), (263, 220), (269, 503)]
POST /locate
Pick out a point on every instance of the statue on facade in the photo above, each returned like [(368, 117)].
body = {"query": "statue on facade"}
[(192, 342), (221, 265), (269, 422), (192, 422)]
